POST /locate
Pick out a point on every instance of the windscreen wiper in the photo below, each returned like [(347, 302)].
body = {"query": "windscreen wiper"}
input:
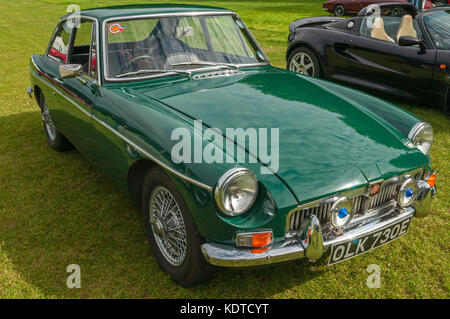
[(153, 71), (234, 66)]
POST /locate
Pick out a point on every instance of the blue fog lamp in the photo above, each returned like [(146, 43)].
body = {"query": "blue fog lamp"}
[(408, 192), (341, 212)]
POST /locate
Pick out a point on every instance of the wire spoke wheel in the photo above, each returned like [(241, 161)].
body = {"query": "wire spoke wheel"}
[(168, 225), (302, 63), (48, 123)]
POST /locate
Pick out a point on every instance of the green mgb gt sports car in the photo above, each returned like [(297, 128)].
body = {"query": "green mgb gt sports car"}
[(234, 162)]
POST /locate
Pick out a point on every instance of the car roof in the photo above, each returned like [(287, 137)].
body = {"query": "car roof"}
[(143, 9)]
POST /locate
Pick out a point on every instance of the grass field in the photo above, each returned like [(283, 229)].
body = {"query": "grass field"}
[(57, 209)]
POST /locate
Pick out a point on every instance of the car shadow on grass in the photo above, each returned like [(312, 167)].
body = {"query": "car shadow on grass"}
[(57, 209)]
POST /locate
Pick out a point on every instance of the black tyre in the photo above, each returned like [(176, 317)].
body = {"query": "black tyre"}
[(339, 10), (303, 60), (439, 3), (55, 139), (171, 231)]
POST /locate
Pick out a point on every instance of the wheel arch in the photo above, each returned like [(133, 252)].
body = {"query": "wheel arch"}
[(339, 3), (136, 176), (37, 94)]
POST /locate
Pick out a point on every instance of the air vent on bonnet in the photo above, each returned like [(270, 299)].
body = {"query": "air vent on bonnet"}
[(216, 74)]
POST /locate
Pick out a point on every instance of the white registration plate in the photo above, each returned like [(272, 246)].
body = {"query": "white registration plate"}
[(358, 246)]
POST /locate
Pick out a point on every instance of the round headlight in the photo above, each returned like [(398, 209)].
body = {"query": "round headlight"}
[(236, 191), (408, 193), (422, 137), (341, 212)]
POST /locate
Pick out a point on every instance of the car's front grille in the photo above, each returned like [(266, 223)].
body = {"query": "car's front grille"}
[(361, 205)]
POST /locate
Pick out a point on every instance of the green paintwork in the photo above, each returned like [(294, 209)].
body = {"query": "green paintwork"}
[(331, 138)]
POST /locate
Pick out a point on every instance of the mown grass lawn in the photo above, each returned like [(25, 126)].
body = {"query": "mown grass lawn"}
[(57, 209)]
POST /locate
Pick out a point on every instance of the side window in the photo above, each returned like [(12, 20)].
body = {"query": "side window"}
[(60, 46), (84, 50)]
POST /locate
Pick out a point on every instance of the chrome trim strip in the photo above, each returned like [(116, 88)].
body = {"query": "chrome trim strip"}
[(60, 93), (230, 256), (161, 15), (35, 65), (151, 157)]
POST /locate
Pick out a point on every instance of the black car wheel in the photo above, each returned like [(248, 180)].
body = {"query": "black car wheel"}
[(339, 10), (303, 60), (439, 3), (171, 231), (55, 139)]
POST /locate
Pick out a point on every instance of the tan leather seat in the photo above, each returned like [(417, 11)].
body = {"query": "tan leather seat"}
[(378, 31), (406, 27)]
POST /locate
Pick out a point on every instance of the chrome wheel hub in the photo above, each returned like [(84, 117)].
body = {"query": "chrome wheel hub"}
[(168, 225), (302, 63)]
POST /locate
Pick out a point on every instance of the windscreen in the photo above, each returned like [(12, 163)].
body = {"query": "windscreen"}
[(438, 25), (157, 45)]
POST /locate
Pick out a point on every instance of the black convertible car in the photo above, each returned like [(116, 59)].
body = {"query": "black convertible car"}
[(388, 49)]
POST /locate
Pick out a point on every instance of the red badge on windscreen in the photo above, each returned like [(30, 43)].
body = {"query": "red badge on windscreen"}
[(116, 28)]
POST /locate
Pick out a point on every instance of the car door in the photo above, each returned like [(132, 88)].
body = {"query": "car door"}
[(385, 66), (82, 88), (71, 103), (437, 26)]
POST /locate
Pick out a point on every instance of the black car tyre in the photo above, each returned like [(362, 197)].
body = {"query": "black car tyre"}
[(339, 10), (303, 60), (439, 3), (171, 231), (55, 139)]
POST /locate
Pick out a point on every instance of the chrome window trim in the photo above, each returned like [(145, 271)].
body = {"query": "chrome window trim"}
[(97, 32), (151, 157), (162, 15)]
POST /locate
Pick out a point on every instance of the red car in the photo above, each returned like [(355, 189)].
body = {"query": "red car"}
[(344, 7)]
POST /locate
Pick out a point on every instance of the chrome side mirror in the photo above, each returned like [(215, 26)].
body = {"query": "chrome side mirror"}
[(67, 71)]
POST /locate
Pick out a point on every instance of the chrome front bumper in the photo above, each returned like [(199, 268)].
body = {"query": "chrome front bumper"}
[(318, 245)]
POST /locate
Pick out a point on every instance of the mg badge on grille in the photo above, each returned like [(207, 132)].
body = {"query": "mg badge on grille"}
[(374, 189)]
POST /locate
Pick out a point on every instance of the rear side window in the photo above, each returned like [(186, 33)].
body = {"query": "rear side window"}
[(60, 46)]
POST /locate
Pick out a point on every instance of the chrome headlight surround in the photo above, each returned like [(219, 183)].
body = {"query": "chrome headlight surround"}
[(422, 136), (238, 186)]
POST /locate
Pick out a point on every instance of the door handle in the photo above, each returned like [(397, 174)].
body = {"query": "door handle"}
[(81, 80), (58, 81)]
